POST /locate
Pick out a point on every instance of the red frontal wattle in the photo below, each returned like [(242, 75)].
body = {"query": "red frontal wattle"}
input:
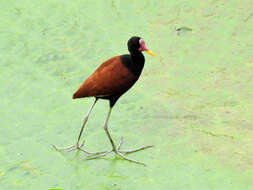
[(142, 45)]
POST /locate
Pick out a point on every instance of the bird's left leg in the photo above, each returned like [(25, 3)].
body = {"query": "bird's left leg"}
[(79, 146)]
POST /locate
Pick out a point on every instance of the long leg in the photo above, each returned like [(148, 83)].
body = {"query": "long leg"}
[(106, 129), (85, 121), (77, 146), (114, 149)]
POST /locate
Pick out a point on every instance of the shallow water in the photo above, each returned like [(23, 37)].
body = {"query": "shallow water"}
[(193, 100)]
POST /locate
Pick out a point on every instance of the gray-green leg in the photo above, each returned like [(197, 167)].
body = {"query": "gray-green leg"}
[(117, 149), (77, 146)]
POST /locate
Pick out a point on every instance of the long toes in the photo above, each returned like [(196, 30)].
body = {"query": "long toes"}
[(64, 148), (73, 148), (135, 150), (131, 160), (120, 143), (102, 154), (93, 153), (54, 147), (82, 144)]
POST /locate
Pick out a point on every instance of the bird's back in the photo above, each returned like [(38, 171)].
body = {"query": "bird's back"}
[(109, 79)]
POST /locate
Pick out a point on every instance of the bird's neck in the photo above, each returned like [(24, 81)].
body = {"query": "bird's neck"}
[(138, 60)]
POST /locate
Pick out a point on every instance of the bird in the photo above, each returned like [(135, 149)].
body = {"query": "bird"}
[(110, 81)]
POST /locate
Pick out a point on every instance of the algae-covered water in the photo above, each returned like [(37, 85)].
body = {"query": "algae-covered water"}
[(193, 100)]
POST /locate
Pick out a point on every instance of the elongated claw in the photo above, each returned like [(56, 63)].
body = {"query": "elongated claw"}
[(131, 160), (64, 148), (70, 148), (100, 156), (77, 147), (120, 143), (93, 153), (135, 150)]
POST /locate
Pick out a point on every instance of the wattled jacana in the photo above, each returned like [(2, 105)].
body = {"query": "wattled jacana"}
[(109, 81)]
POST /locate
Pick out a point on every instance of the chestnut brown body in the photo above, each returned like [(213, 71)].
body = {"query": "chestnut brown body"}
[(109, 81)]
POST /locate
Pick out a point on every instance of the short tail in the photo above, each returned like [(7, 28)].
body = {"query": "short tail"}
[(79, 94), (74, 96)]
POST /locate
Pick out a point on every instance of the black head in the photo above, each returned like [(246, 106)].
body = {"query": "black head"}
[(133, 44), (136, 45)]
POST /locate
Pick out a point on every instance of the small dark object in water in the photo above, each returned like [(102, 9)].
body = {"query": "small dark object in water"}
[(183, 29)]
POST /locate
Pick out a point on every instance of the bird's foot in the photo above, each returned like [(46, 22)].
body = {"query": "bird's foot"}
[(121, 152), (77, 147), (69, 148), (131, 151)]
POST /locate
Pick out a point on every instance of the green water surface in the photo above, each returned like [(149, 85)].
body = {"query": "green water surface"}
[(193, 100)]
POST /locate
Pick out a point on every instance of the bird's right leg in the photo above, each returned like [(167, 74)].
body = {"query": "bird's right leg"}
[(79, 146), (116, 148)]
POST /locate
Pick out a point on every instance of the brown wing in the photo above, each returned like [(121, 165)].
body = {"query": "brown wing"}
[(110, 78)]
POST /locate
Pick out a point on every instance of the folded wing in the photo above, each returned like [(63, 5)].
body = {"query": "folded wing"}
[(109, 79)]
